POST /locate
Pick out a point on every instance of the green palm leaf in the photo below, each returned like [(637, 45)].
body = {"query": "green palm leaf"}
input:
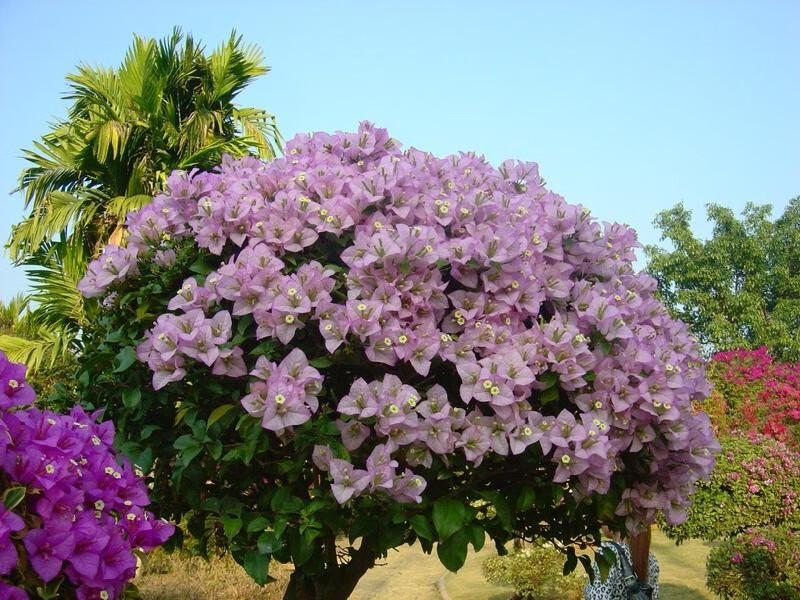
[(166, 106)]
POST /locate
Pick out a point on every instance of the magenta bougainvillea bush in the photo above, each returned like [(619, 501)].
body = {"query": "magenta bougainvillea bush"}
[(755, 393), (72, 509), (404, 347)]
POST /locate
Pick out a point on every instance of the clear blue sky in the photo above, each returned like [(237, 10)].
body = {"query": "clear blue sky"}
[(628, 107)]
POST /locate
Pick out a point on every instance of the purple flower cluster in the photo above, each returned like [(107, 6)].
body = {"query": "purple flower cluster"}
[(82, 513), (449, 261), (117, 264)]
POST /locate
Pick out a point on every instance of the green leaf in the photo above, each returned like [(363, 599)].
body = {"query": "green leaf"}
[(257, 524), (404, 267), (549, 395), (84, 379), (477, 537), (283, 502), (268, 542), (265, 348), (13, 496), (587, 566), (141, 310), (320, 363), (131, 398), (571, 562), (501, 507), (185, 441), (218, 413), (257, 564), (50, 591), (124, 359), (314, 506), (202, 266), (526, 498), (548, 379), (181, 414), (232, 525), (605, 559), (421, 526), (606, 506), (148, 430), (190, 454), (243, 323), (302, 545), (452, 552), (214, 449), (449, 515)]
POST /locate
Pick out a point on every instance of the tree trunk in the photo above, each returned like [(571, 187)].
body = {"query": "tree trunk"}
[(336, 583)]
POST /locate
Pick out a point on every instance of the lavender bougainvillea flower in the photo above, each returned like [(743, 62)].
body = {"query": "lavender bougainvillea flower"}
[(116, 264), (411, 272)]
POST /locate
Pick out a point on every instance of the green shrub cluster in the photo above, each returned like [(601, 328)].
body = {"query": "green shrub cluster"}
[(535, 572), (755, 483), (762, 564)]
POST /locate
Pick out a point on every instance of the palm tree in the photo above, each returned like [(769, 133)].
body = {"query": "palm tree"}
[(168, 106)]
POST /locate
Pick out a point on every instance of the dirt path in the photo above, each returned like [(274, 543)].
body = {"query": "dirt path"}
[(406, 574), (410, 574)]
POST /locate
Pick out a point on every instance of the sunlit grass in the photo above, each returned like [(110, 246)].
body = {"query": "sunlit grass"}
[(180, 576), (183, 577)]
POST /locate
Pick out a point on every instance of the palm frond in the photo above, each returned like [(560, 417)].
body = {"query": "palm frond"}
[(260, 130), (232, 66), (43, 349), (54, 272), (210, 154), (13, 311), (120, 206)]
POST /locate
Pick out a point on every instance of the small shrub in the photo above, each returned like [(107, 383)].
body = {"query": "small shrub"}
[(761, 563), (756, 482), (535, 572)]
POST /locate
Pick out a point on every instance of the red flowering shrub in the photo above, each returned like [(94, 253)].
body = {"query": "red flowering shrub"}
[(751, 501), (753, 393)]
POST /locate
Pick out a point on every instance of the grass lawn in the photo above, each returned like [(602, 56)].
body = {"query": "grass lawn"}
[(407, 574), (683, 568)]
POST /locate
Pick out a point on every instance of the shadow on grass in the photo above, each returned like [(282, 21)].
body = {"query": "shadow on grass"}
[(676, 591)]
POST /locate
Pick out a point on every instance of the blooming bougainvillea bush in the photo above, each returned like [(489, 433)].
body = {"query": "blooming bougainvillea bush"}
[(756, 483), (71, 509), (751, 504), (759, 563), (753, 392), (395, 346)]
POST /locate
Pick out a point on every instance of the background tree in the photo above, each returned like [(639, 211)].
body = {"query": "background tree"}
[(168, 106), (741, 288)]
